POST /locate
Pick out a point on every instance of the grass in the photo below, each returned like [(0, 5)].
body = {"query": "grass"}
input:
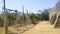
[(43, 27), (13, 29), (1, 30)]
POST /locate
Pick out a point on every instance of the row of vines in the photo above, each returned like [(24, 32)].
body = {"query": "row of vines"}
[(35, 18)]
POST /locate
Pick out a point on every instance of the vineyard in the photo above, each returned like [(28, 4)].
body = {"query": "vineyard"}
[(18, 22)]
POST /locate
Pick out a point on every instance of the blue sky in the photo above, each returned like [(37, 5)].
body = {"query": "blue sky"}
[(32, 5)]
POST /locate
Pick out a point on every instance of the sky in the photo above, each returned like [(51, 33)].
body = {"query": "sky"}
[(32, 5)]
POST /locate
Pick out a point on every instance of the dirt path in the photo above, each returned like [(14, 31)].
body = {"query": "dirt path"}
[(43, 27)]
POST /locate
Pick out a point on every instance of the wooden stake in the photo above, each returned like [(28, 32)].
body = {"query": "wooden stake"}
[(5, 18)]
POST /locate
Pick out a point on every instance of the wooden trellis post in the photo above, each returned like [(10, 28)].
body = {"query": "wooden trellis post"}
[(23, 17), (5, 18)]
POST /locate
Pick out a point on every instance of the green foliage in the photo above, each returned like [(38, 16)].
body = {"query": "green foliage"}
[(1, 17), (45, 14), (1, 20), (34, 18), (32, 15), (11, 16)]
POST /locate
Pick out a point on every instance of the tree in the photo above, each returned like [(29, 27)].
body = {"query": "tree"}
[(45, 14), (58, 5)]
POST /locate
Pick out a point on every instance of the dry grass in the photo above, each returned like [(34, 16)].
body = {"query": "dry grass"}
[(1, 30), (20, 29), (43, 27), (13, 30)]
